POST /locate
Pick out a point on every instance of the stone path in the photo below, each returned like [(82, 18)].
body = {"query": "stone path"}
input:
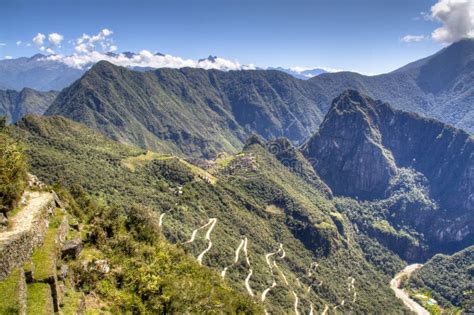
[(23, 220)]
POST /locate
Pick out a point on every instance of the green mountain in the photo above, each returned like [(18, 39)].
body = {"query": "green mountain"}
[(367, 150), (439, 86), (192, 111), (15, 105), (203, 112), (265, 205), (321, 227)]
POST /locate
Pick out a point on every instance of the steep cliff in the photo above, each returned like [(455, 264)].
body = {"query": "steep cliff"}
[(362, 144)]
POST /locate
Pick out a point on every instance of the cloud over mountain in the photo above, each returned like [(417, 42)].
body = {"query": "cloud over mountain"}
[(457, 17)]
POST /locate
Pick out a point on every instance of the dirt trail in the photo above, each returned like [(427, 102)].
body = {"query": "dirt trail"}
[(160, 222), (236, 258), (340, 305), (352, 289), (297, 300), (194, 233), (23, 220), (326, 309), (212, 222), (270, 265), (402, 295), (247, 284)]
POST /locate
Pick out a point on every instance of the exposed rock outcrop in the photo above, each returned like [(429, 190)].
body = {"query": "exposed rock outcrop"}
[(362, 144), (348, 152)]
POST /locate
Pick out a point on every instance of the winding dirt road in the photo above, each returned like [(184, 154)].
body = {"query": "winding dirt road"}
[(212, 222), (247, 284), (236, 258), (160, 222), (402, 295)]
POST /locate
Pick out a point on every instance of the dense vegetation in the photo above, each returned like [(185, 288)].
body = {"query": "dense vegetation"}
[(252, 189), (448, 279), (12, 170), (191, 111), (416, 171), (148, 274)]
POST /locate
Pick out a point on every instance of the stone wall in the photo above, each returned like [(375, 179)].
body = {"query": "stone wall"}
[(17, 249)]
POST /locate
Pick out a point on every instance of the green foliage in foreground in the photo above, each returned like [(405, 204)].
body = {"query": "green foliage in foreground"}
[(10, 292), (148, 274), (39, 301), (12, 172)]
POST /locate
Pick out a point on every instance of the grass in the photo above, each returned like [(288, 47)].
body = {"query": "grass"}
[(44, 257), (385, 227), (39, 300), (10, 289), (71, 300), (274, 209), (142, 160)]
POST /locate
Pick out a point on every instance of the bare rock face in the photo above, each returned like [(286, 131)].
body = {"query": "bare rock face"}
[(348, 152), (71, 249), (362, 144)]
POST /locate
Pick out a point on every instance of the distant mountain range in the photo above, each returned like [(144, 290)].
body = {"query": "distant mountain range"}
[(204, 112), (16, 104), (305, 74), (440, 86), (45, 73), (36, 73)]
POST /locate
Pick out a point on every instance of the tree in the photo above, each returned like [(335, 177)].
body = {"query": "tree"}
[(13, 172)]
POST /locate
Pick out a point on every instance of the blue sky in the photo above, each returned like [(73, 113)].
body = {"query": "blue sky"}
[(360, 35)]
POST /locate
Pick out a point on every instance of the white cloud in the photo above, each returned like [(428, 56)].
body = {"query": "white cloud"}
[(39, 39), (457, 17), (87, 43), (412, 38), (302, 69), (2, 44), (8, 57), (89, 49), (55, 38), (146, 58), (18, 43)]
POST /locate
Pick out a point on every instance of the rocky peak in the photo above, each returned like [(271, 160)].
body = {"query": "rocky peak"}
[(362, 143), (347, 150)]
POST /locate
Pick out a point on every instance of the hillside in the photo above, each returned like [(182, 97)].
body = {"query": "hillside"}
[(203, 112), (367, 150), (448, 279), (303, 244), (439, 86), (190, 111), (323, 241), (15, 104)]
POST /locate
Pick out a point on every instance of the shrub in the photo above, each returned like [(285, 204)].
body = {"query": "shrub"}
[(12, 172)]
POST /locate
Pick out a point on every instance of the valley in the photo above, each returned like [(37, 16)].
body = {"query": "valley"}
[(229, 189)]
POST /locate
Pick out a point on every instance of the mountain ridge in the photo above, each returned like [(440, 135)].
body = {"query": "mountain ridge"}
[(14, 105), (363, 145)]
